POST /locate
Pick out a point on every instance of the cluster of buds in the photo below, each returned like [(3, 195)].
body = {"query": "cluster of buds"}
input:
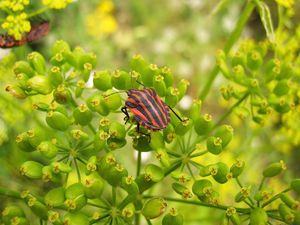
[(16, 25)]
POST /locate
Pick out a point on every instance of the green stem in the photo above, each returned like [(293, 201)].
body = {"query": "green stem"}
[(77, 170), (190, 170), (35, 13), (114, 195), (190, 202), (230, 42), (148, 222), (139, 163), (92, 128), (10, 193), (275, 197), (241, 186), (198, 154), (96, 205)]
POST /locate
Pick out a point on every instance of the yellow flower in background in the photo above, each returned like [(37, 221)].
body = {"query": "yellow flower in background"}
[(14, 5), (286, 3), (57, 4), (102, 21), (16, 25)]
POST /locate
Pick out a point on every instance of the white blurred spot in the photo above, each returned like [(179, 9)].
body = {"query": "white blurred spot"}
[(145, 156), (4, 52), (206, 62), (186, 102), (90, 83), (184, 69), (195, 4), (202, 35)]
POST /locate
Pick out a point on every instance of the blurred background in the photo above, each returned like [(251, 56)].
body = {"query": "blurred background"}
[(182, 34)]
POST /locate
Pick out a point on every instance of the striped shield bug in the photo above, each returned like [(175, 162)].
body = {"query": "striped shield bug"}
[(37, 31)]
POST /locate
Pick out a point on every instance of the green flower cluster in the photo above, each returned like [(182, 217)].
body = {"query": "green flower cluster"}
[(269, 82), (82, 135)]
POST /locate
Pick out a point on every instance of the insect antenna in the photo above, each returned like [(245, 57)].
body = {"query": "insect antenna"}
[(177, 115), (117, 92)]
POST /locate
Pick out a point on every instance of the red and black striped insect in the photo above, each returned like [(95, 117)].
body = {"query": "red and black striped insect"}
[(37, 31), (148, 109)]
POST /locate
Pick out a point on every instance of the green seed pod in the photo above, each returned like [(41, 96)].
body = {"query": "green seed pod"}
[(59, 46), (179, 188), (238, 58), (205, 171), (121, 80), (159, 85), (225, 132), (80, 85), (47, 149), (157, 141), (174, 120), (19, 221), (214, 145), (154, 207), (168, 76), (22, 79), (237, 168), (55, 76), (57, 120), (117, 130), (31, 169), (75, 197), (54, 217), (172, 96), (129, 185), (114, 143), (181, 177), (115, 174), (23, 142), (182, 87), (23, 67), (184, 126), (195, 109), (224, 68), (254, 60), (144, 182), (106, 163), (221, 172), (100, 140), (10, 212), (138, 64), (35, 136), (49, 175), (91, 165), (62, 95), (162, 155), (128, 211), (102, 80), (258, 216), (203, 124), (87, 58), (202, 188), (295, 185), (141, 144), (37, 62), (40, 84), (282, 87), (264, 194), (82, 115), (55, 197), (79, 135), (286, 213), (60, 167), (173, 218), (75, 219), (112, 100), (274, 169), (281, 105), (239, 75), (233, 216), (96, 103), (16, 91), (93, 186), (169, 133), (58, 59), (154, 173), (38, 208), (289, 201), (242, 194)]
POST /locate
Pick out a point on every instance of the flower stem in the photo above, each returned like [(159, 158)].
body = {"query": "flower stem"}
[(37, 12), (139, 163), (230, 42), (275, 197), (10, 193)]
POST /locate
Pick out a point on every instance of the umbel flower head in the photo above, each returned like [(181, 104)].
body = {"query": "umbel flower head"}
[(14, 5), (57, 4), (16, 25)]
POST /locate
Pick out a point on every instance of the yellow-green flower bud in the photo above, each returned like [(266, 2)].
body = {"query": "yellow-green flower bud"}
[(154, 173), (10, 212), (97, 103), (224, 68), (182, 87), (113, 101), (239, 75), (87, 60), (274, 169), (237, 168), (157, 141), (138, 64), (114, 143), (233, 216), (100, 140), (16, 91), (121, 80), (23, 67), (31, 169), (258, 216), (58, 59), (60, 46), (38, 208), (286, 213), (47, 149), (169, 133), (203, 124), (39, 84), (214, 145), (60, 167), (238, 58), (295, 185), (282, 87), (75, 197), (129, 185), (206, 170), (225, 132), (184, 126), (55, 197), (79, 135), (62, 95), (55, 76), (168, 76), (242, 194), (286, 71), (172, 96), (75, 219), (173, 218), (181, 177), (117, 130), (82, 115), (115, 174), (93, 186), (195, 109), (289, 201), (254, 60), (102, 80), (128, 211), (58, 120), (148, 75), (220, 172), (54, 217), (153, 208), (142, 144), (202, 188), (159, 85), (37, 62), (23, 142)]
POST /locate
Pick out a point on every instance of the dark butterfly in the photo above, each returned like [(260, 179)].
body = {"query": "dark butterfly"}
[(37, 31)]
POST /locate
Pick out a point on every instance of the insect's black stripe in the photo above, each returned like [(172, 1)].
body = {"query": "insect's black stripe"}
[(156, 106), (141, 109), (161, 105), (154, 110)]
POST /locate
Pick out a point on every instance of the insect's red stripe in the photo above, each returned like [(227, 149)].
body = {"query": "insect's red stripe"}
[(134, 101), (160, 107), (138, 113), (143, 102)]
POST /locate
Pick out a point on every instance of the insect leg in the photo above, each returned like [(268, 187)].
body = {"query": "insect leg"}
[(177, 115), (124, 110), (139, 82), (140, 132)]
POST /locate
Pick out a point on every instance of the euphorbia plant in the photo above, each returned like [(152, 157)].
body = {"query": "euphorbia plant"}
[(78, 150)]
